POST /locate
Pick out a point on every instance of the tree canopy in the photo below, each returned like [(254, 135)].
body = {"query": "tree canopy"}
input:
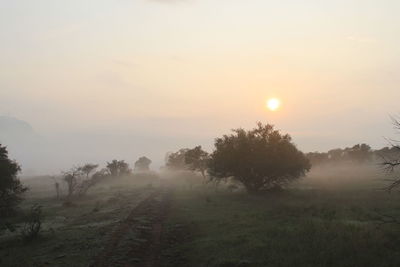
[(11, 188), (80, 179), (261, 159), (176, 160), (197, 160), (360, 153), (118, 168), (142, 164)]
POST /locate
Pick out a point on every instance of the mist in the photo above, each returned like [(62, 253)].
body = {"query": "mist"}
[(50, 151), (148, 77), (176, 133)]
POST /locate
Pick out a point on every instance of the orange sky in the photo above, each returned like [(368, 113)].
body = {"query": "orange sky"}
[(145, 66)]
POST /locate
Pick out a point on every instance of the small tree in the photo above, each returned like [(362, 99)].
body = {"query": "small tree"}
[(391, 159), (261, 159), (335, 155), (197, 160), (118, 168), (11, 188), (33, 223), (79, 179), (71, 178), (317, 158), (176, 160), (91, 181), (56, 187), (142, 164), (360, 153), (87, 169)]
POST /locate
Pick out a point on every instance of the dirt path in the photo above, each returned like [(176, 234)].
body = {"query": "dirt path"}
[(137, 241)]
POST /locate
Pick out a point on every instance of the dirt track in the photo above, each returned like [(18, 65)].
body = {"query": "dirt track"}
[(137, 241)]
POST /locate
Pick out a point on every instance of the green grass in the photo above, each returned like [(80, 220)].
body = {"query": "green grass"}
[(328, 219), (296, 228), (71, 236)]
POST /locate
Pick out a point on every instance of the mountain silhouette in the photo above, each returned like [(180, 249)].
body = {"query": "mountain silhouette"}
[(11, 128)]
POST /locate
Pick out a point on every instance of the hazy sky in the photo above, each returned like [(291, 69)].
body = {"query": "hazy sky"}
[(191, 70)]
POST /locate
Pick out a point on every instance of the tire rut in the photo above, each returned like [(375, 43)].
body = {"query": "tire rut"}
[(136, 242)]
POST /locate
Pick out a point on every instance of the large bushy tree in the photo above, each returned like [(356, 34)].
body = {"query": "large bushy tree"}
[(261, 159), (11, 188)]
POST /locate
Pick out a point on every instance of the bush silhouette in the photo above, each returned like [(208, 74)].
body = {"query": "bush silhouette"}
[(261, 159)]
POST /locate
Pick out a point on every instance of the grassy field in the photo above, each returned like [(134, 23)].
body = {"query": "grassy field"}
[(72, 235), (333, 217), (319, 222)]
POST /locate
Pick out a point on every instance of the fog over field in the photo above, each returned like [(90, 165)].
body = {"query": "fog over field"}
[(52, 152), (199, 133), (101, 79)]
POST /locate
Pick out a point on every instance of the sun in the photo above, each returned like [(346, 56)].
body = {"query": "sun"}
[(273, 104)]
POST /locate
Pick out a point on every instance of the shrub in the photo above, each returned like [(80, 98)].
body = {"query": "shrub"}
[(33, 223)]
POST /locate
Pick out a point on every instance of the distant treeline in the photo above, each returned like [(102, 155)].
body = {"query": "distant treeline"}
[(360, 153)]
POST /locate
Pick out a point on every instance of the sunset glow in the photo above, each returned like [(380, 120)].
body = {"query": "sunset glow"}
[(199, 133), (273, 104), (155, 75)]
